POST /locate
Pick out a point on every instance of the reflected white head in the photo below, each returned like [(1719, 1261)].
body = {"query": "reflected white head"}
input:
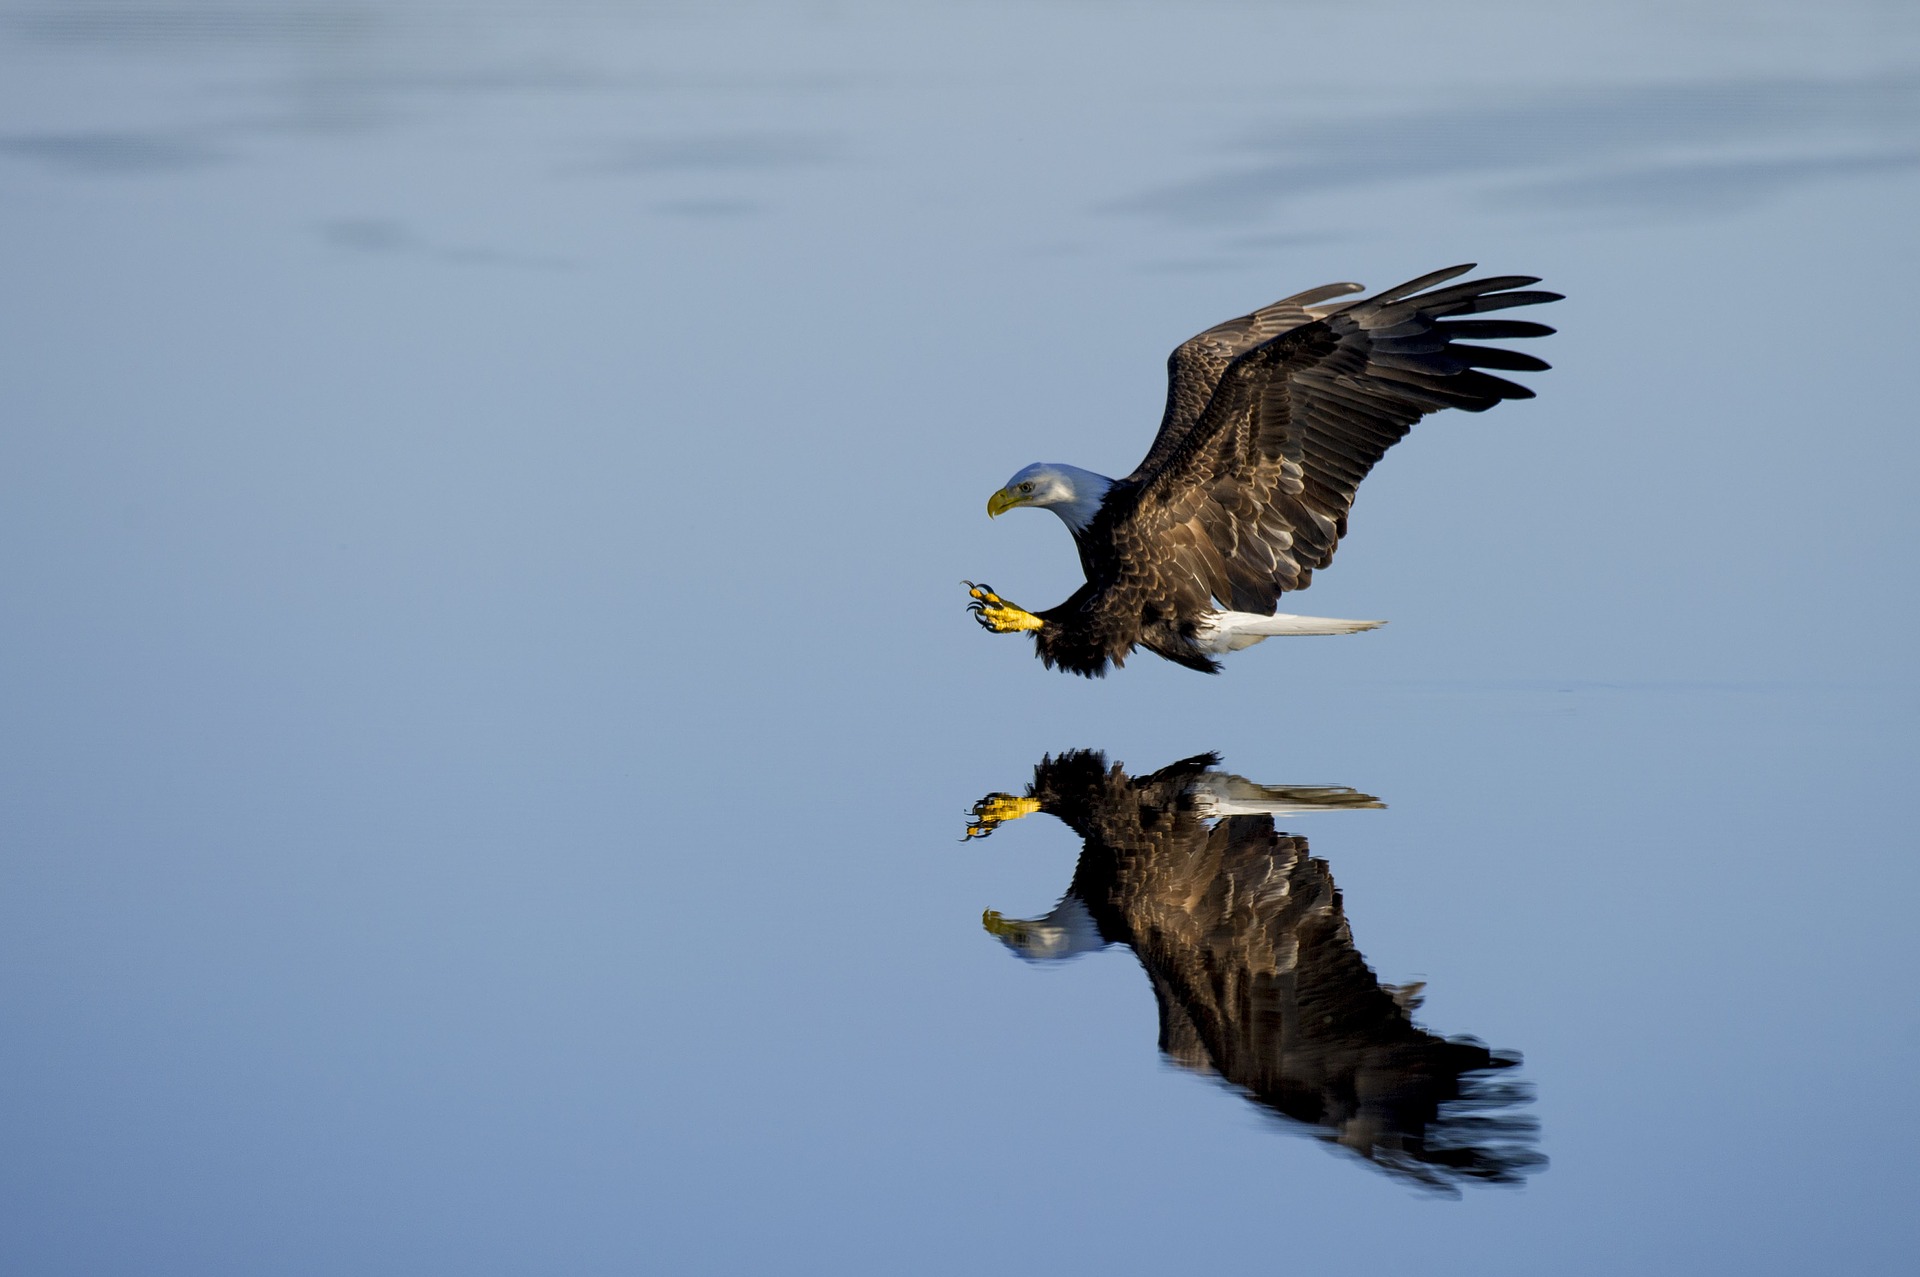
[(1067, 932)]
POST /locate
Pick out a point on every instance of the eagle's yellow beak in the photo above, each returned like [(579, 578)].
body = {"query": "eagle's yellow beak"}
[(1001, 502)]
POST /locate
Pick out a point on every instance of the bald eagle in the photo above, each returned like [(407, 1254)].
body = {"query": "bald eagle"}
[(1272, 421), (1244, 937)]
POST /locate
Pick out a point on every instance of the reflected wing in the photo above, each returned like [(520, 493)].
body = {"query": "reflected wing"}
[(1254, 495), (1246, 936)]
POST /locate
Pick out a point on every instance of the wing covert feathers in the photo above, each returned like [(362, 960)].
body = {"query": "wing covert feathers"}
[(1272, 421), (1268, 472)]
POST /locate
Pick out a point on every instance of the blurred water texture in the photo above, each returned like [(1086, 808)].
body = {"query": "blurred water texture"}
[(490, 715)]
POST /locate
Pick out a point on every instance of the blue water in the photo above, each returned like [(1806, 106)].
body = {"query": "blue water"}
[(489, 717)]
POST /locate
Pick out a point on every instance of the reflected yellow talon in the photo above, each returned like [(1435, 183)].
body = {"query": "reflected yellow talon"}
[(993, 810), (996, 614), (999, 807)]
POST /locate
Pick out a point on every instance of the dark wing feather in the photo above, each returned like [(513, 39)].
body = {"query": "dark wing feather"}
[(1195, 366), (1253, 496)]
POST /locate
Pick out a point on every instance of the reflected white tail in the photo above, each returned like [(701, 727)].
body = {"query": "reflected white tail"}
[(1231, 631), (1224, 794)]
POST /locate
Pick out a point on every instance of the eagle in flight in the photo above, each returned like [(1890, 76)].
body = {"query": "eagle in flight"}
[(1272, 421)]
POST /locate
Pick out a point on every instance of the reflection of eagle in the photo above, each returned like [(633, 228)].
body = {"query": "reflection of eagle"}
[(1246, 942), (1272, 421)]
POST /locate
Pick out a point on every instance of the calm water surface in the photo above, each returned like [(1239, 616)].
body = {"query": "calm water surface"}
[(491, 726)]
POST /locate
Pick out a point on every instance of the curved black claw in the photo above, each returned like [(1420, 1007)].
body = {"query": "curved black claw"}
[(981, 597)]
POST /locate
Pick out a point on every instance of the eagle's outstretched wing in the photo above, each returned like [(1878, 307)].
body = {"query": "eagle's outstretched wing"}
[(1253, 495), (1195, 366)]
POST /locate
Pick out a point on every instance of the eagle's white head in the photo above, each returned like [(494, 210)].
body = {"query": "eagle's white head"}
[(1070, 492)]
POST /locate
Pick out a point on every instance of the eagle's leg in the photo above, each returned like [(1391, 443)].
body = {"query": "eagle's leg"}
[(996, 614)]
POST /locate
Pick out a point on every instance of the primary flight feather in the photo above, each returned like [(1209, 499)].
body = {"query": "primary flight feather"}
[(1272, 421)]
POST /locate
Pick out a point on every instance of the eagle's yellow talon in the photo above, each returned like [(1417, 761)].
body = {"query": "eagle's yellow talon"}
[(996, 614), (1009, 620)]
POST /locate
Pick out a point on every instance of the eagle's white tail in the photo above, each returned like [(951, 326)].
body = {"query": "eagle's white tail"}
[(1231, 631)]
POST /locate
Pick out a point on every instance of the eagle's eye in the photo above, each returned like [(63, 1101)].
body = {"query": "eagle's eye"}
[(1027, 486)]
